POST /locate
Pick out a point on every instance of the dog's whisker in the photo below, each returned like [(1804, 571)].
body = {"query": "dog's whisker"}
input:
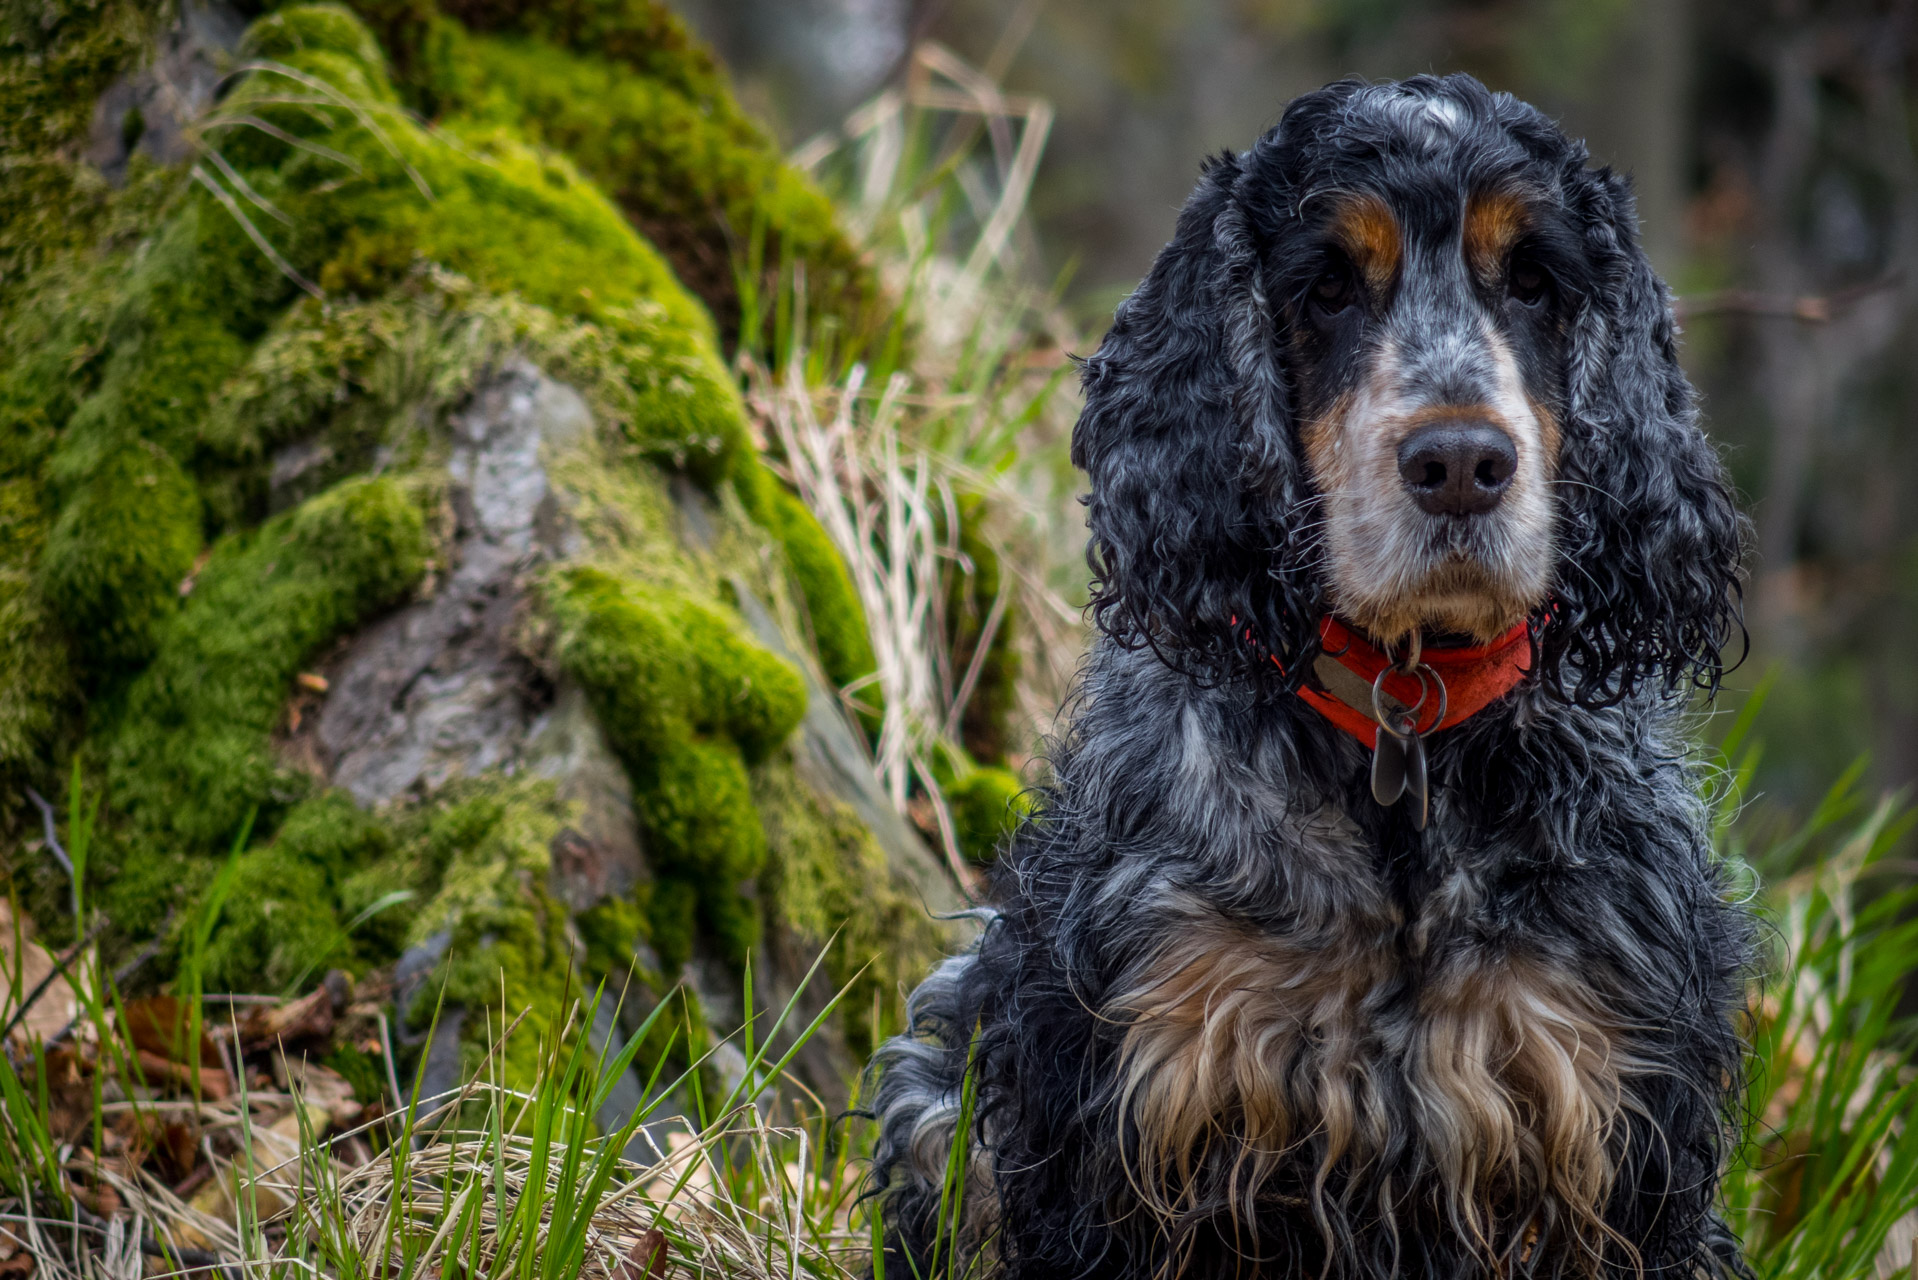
[(1564, 482)]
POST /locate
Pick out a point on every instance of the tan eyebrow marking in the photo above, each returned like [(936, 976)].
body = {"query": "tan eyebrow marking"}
[(1493, 223), (1370, 236)]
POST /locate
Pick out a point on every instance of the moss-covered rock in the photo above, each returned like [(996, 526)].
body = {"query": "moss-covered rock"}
[(987, 806), (829, 884), (116, 559), (187, 748), (622, 88), (687, 702), (834, 618), (55, 60), (38, 693), (973, 605), (283, 927), (298, 906), (509, 944), (237, 451)]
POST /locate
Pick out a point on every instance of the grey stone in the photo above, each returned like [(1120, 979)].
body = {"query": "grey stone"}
[(438, 690), (169, 94), (415, 964), (293, 468), (601, 854), (442, 1076)]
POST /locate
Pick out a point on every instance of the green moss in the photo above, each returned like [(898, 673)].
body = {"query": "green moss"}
[(509, 939), (37, 690), (687, 702), (56, 58), (115, 559), (644, 35), (987, 805), (292, 910), (319, 30), (613, 930), (475, 859), (108, 361), (484, 203), (508, 218), (697, 807), (54, 339), (48, 205), (672, 921), (280, 925), (668, 143), (834, 618), (827, 876), (986, 725), (187, 755), (180, 311), (662, 665), (345, 862), (674, 399)]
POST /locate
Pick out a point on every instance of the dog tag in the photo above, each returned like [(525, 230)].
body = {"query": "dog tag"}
[(1389, 760), (1418, 794)]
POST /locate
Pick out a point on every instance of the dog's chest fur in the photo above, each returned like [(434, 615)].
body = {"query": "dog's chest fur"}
[(1243, 1051), (1296, 1050)]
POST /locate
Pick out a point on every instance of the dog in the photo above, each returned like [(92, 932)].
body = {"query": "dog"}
[(1290, 976)]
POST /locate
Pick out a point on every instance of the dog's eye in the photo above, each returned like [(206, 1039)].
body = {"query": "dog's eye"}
[(1527, 282), (1332, 291)]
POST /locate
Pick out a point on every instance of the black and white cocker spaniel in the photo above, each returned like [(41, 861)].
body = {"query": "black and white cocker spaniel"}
[(1368, 924)]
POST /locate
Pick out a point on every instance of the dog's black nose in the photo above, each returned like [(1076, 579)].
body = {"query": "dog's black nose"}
[(1457, 468)]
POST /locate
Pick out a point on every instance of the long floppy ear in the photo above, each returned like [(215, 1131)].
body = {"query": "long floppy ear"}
[(1198, 498), (1648, 588)]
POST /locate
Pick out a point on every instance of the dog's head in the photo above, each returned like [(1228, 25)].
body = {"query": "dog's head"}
[(1404, 361)]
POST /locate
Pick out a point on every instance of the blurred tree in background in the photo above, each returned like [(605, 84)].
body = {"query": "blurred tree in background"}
[(1771, 144)]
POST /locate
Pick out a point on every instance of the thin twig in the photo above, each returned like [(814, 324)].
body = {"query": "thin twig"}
[(58, 850), (1810, 309)]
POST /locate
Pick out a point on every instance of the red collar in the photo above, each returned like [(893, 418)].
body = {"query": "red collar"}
[(1340, 682)]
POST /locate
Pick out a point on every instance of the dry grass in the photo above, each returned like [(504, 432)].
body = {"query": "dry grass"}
[(883, 449), (494, 1181), (744, 1198)]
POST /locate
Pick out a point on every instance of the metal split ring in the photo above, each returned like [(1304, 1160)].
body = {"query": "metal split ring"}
[(1422, 671)]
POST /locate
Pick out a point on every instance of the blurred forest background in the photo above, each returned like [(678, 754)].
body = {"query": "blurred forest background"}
[(1771, 142)]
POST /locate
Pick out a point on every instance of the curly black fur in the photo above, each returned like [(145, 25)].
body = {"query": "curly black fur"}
[(1567, 837)]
